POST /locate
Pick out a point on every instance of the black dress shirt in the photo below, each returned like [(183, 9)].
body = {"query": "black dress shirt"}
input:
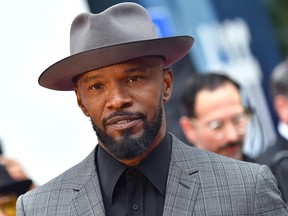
[(135, 190)]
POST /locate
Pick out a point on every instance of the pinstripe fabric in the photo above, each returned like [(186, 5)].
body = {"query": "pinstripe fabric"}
[(199, 183)]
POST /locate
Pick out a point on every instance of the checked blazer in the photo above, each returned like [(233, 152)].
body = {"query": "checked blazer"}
[(199, 183)]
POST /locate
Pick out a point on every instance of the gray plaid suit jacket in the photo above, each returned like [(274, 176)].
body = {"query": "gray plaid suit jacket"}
[(199, 183)]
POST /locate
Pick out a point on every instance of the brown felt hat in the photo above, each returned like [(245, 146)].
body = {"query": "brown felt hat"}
[(122, 32)]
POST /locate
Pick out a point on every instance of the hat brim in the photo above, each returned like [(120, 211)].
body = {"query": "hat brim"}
[(16, 187), (59, 75)]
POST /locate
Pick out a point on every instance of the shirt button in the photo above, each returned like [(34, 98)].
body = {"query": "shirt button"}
[(135, 207)]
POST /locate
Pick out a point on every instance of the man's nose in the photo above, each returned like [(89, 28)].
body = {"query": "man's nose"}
[(118, 98), (231, 132)]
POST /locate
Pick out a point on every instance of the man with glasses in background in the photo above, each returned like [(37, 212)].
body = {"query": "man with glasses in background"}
[(216, 119)]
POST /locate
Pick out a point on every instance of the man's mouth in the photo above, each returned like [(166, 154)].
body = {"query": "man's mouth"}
[(230, 147), (122, 122)]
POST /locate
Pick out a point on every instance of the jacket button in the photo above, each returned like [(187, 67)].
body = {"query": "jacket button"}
[(135, 207)]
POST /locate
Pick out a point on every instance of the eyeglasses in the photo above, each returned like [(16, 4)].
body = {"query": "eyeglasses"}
[(8, 205), (217, 127)]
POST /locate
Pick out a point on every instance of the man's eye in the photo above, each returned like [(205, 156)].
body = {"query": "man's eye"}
[(239, 119), (215, 125), (134, 79), (97, 86)]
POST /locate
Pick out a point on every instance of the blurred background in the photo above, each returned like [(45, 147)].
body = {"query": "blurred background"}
[(47, 132)]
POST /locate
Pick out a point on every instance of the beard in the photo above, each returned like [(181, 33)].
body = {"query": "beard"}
[(231, 144), (129, 147)]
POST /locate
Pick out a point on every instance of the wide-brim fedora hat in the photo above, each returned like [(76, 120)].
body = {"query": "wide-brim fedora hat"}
[(122, 32), (8, 185)]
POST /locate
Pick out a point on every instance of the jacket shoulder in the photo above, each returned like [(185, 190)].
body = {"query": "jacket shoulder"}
[(56, 193)]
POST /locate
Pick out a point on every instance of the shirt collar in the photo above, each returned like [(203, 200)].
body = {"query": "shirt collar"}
[(155, 167), (109, 170), (283, 129)]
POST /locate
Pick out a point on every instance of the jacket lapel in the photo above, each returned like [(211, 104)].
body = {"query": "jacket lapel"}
[(181, 190), (88, 200), (87, 197), (183, 181)]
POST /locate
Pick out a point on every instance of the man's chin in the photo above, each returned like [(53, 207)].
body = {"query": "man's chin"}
[(128, 135)]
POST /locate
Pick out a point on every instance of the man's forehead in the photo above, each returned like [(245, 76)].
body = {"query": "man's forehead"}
[(221, 101), (145, 62), (222, 91)]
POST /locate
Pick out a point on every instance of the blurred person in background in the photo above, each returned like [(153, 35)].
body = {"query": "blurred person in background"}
[(14, 167), (10, 189), (279, 94), (276, 155), (215, 117)]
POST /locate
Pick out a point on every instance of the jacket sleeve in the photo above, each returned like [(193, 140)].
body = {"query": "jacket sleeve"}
[(19, 206), (268, 198)]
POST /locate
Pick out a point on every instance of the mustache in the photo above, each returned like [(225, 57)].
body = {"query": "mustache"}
[(123, 113), (231, 144)]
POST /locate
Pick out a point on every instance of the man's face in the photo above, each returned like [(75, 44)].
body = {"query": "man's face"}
[(125, 104), (281, 107), (219, 125)]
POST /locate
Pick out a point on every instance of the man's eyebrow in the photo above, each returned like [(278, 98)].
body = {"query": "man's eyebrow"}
[(91, 77), (142, 68), (128, 70), (136, 68)]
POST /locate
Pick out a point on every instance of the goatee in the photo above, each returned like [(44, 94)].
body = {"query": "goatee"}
[(129, 147)]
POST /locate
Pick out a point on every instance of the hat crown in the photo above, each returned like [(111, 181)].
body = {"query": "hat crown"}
[(122, 32), (122, 23)]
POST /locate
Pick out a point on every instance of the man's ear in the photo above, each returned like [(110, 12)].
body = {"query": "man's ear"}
[(79, 100), (188, 129), (168, 84)]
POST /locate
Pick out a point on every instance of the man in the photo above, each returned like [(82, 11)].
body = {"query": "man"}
[(216, 118), (10, 189), (119, 70), (274, 155)]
